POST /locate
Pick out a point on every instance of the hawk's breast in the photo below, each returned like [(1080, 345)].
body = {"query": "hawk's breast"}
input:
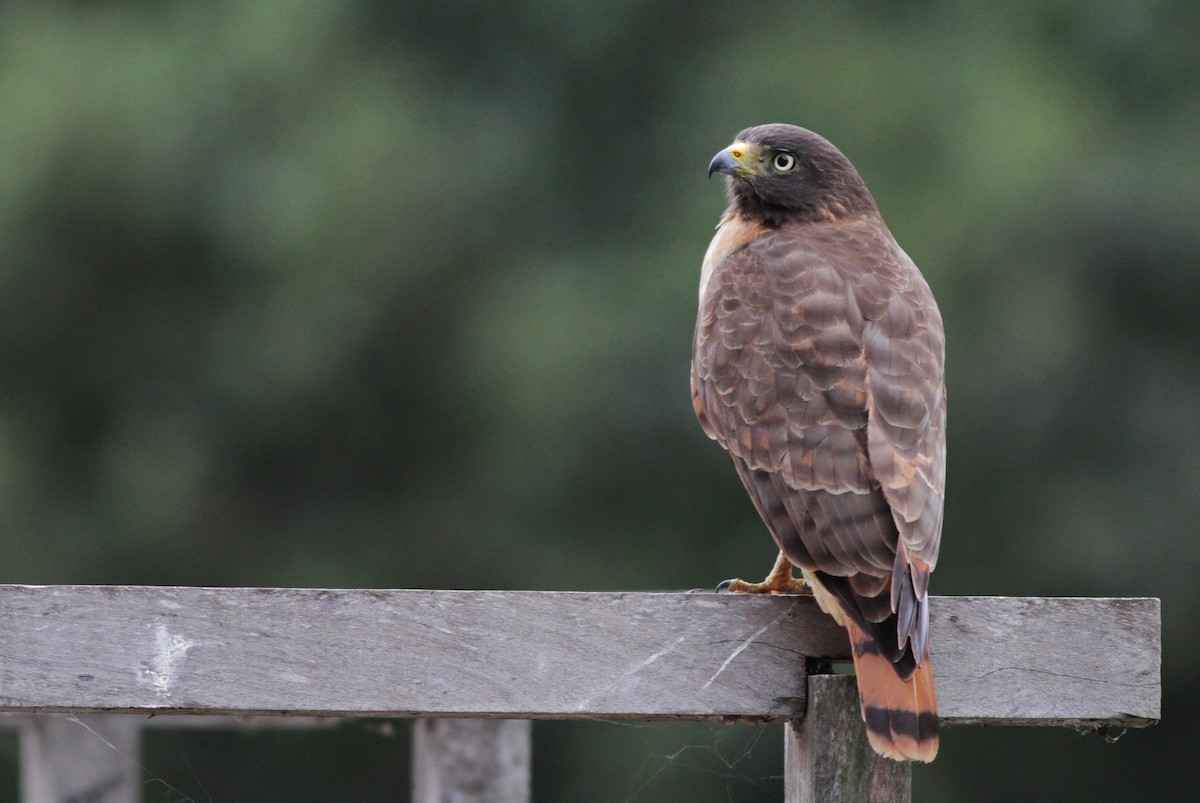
[(733, 232)]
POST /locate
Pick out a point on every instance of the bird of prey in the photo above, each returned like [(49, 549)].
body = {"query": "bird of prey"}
[(818, 364)]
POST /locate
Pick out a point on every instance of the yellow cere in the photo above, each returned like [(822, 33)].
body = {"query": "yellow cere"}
[(747, 155)]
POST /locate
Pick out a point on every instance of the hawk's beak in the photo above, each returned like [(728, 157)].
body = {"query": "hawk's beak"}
[(739, 159)]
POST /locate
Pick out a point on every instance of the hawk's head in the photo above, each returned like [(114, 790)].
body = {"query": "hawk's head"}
[(781, 173)]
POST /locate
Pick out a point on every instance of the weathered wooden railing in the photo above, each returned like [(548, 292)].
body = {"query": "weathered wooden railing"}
[(474, 666)]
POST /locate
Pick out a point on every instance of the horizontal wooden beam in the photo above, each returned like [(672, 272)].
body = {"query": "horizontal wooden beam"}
[(539, 655)]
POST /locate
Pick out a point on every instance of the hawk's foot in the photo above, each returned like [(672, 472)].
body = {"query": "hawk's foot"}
[(791, 585), (779, 581)]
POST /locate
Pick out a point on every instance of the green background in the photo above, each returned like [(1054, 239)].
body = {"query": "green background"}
[(398, 294)]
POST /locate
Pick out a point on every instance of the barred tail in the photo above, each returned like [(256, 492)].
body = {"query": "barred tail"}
[(900, 713)]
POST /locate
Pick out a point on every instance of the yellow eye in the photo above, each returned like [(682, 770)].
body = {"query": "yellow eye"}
[(783, 162)]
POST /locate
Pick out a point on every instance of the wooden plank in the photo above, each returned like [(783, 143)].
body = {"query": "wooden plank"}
[(522, 654), (403, 653), (191, 721), (471, 760), (92, 757), (1047, 660), (827, 758)]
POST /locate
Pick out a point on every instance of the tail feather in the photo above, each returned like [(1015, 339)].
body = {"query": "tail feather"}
[(900, 713)]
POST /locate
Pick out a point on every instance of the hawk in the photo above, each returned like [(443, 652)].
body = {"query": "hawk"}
[(817, 363)]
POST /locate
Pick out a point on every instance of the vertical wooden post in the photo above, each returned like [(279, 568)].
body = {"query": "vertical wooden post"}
[(827, 758), (471, 760), (92, 757)]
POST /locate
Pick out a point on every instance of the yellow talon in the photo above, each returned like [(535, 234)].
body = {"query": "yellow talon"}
[(779, 581)]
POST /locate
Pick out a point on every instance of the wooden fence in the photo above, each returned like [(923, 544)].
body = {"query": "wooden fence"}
[(473, 667)]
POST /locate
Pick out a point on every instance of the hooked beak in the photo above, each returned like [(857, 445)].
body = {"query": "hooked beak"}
[(739, 159)]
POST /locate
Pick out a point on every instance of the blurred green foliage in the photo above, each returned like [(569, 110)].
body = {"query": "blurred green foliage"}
[(401, 294)]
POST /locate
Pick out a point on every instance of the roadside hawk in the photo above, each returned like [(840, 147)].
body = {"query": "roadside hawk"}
[(818, 364)]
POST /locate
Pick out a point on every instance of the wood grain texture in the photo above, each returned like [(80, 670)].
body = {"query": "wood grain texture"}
[(523, 654), (828, 758), (1048, 660), (91, 758), (471, 760)]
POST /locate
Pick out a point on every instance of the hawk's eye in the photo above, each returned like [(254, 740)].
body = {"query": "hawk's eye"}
[(783, 162)]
